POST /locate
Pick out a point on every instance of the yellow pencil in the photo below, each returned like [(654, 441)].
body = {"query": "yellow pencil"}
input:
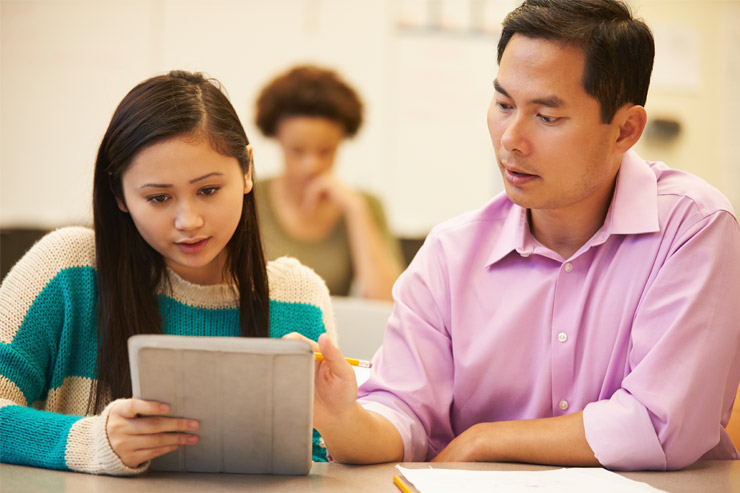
[(401, 485), (354, 362)]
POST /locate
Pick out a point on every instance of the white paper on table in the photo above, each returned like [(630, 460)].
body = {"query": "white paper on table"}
[(565, 480), (361, 374)]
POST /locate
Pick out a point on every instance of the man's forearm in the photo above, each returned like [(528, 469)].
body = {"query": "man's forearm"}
[(362, 437), (559, 441)]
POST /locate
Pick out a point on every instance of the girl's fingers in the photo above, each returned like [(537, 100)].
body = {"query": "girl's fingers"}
[(147, 447), (149, 425), (139, 457), (131, 408), (139, 417), (135, 449), (137, 432)]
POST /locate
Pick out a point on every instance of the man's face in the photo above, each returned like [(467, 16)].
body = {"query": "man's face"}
[(553, 151)]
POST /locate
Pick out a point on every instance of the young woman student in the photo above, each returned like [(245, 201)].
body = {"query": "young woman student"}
[(176, 249), (306, 211)]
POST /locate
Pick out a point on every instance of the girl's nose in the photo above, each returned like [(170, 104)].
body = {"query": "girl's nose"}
[(188, 218)]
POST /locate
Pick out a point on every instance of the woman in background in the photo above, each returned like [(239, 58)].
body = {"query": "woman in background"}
[(176, 249), (306, 211)]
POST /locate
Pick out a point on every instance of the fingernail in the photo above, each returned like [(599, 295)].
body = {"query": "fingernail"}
[(164, 408), (193, 439), (193, 424)]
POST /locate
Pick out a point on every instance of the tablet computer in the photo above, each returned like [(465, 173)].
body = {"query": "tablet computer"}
[(252, 396)]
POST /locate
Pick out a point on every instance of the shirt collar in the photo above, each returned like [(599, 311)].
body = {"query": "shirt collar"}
[(634, 207), (514, 235), (633, 210)]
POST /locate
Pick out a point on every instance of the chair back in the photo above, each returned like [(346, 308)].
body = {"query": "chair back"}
[(360, 325)]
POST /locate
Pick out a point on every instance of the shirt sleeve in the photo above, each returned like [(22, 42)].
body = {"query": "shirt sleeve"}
[(684, 364), (416, 350)]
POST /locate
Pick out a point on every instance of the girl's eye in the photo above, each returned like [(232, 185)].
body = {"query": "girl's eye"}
[(157, 199), (208, 191)]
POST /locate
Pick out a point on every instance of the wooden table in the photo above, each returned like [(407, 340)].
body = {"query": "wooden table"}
[(704, 476)]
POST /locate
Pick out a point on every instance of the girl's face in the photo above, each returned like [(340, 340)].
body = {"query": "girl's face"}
[(186, 201)]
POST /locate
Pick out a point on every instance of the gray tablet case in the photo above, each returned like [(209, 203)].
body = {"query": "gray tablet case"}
[(252, 396)]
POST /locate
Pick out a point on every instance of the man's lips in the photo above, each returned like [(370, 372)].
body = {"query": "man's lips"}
[(515, 170), (517, 176)]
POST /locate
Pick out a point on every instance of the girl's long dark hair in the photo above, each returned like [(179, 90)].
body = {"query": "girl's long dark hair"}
[(129, 270)]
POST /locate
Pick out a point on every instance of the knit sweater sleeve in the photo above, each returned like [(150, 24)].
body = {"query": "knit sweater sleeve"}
[(48, 332), (299, 300)]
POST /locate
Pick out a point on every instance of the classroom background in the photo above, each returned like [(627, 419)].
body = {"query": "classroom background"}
[(423, 67)]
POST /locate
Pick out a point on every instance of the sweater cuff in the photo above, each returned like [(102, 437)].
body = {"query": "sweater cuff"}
[(105, 456)]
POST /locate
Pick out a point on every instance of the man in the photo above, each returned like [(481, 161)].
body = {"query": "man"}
[(585, 316)]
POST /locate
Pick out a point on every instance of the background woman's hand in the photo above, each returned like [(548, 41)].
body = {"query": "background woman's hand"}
[(327, 186), (137, 432)]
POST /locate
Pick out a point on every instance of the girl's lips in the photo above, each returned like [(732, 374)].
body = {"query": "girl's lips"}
[(193, 247)]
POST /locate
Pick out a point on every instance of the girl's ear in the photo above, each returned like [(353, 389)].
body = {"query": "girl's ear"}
[(121, 204), (248, 184)]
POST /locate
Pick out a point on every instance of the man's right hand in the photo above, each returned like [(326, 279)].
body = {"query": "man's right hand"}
[(335, 384), (352, 434)]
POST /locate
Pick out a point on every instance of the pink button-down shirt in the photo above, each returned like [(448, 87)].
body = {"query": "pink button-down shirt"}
[(640, 328)]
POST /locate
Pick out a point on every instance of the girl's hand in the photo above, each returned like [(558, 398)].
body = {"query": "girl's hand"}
[(335, 383), (137, 434)]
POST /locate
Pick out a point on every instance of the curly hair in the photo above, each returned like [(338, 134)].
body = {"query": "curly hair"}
[(308, 91)]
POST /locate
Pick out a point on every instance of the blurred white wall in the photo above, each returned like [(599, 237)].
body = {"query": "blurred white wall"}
[(423, 67), (696, 82)]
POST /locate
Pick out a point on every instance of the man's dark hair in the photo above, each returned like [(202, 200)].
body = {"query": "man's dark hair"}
[(618, 48)]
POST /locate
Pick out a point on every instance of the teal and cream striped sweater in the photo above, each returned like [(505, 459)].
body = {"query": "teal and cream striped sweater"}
[(48, 330)]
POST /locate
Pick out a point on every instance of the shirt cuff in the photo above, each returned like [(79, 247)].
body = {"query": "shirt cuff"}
[(621, 434), (412, 432)]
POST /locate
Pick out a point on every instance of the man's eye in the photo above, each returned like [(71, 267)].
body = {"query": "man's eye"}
[(549, 119)]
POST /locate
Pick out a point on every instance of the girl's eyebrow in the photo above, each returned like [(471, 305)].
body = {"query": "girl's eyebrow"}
[(168, 185), (214, 173)]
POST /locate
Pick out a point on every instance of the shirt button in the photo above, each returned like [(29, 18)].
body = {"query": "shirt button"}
[(524, 254), (562, 337), (563, 405), (568, 267)]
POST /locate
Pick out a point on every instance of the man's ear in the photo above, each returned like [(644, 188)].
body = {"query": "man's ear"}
[(248, 184), (121, 204), (631, 121)]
